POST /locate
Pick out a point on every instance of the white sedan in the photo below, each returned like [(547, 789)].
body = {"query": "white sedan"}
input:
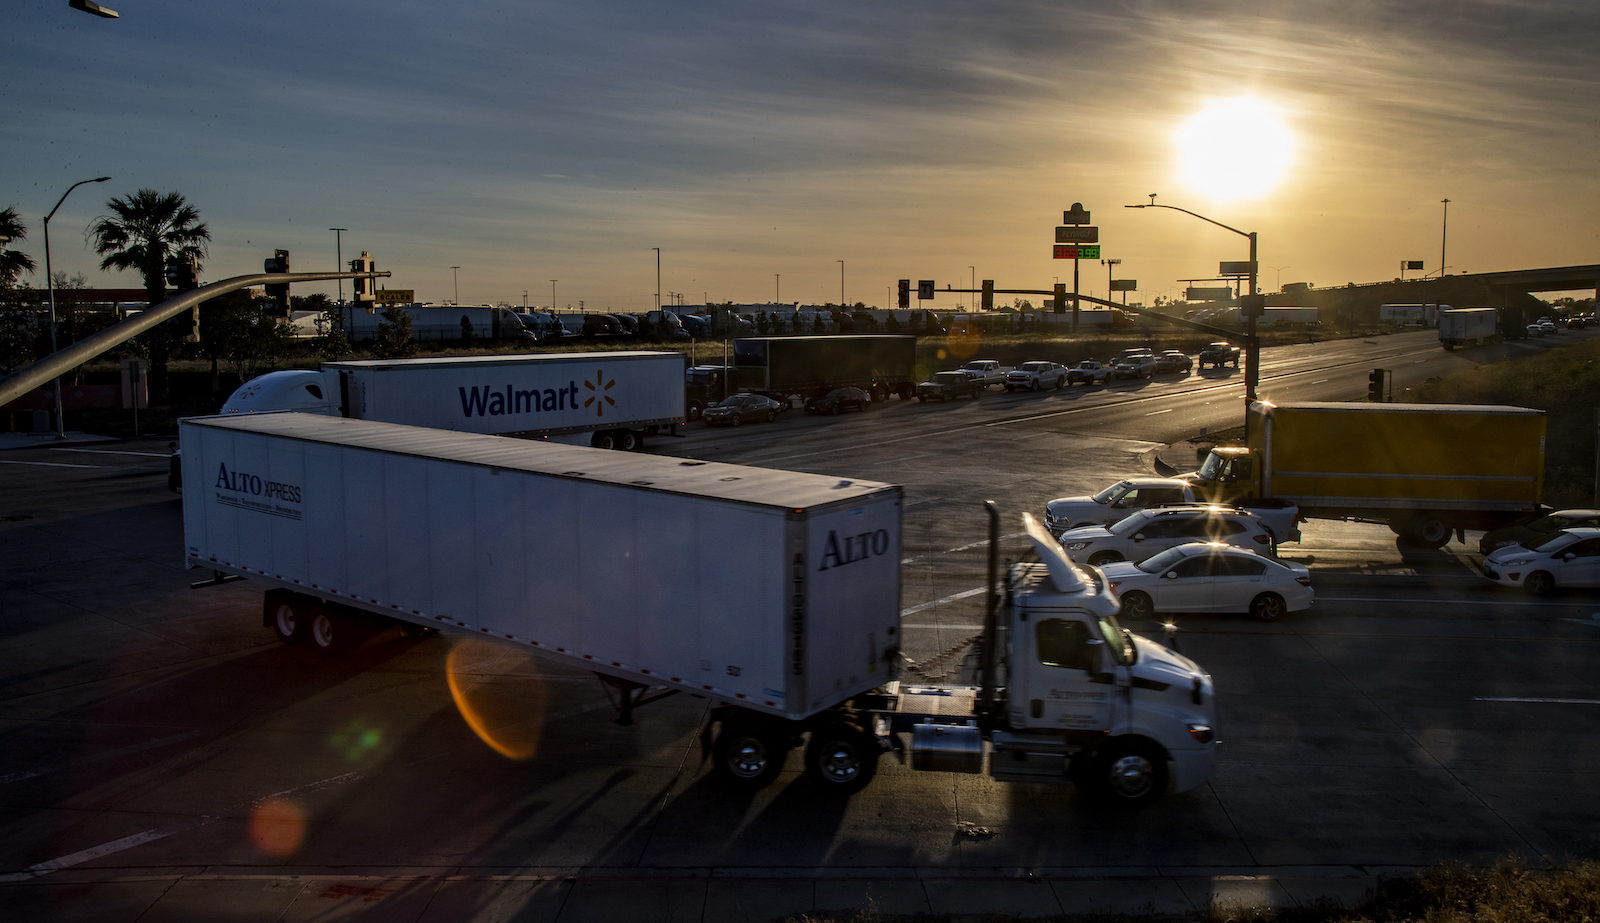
[(1570, 557), (1146, 532), (1210, 577)]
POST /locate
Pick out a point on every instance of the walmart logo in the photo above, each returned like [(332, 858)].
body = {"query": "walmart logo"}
[(599, 399)]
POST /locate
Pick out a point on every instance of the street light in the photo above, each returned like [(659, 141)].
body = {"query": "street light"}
[(1252, 372), (658, 279), (338, 257), (50, 282), (552, 296), (777, 288), (1443, 232), (841, 283), (455, 271), (1279, 270)]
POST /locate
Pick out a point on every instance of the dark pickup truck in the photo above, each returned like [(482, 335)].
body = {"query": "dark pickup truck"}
[(1217, 355), (949, 385)]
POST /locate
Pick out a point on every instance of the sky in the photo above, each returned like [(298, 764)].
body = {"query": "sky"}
[(760, 144)]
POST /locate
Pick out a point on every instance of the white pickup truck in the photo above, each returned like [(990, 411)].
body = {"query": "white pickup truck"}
[(988, 371), (1130, 495), (1037, 376)]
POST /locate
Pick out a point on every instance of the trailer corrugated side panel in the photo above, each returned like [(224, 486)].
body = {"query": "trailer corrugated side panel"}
[(1438, 456), (668, 571), (506, 394)]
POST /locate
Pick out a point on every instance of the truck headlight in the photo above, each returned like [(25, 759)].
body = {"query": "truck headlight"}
[(1202, 733)]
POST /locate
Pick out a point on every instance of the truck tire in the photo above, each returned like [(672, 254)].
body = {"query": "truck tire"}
[(1268, 607), (748, 755), (333, 633), (287, 616), (1128, 774), (628, 440), (1425, 530), (1136, 606), (693, 410), (1059, 383), (604, 439), (842, 758), (922, 399), (905, 392)]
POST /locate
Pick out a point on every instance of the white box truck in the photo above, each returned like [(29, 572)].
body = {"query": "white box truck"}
[(775, 594), (1468, 327)]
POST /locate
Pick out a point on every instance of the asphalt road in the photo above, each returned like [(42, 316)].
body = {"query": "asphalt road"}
[(157, 738)]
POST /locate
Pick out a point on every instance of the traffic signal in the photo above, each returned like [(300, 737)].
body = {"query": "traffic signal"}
[(1375, 385), (278, 294), (183, 275), (364, 288), (905, 293), (1060, 299), (988, 294)]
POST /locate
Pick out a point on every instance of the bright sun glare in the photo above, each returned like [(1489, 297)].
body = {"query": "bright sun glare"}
[(1234, 149)]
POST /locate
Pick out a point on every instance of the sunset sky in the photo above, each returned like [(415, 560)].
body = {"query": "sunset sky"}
[(528, 141)]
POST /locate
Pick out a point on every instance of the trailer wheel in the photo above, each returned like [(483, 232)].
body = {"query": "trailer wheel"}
[(1268, 607), (693, 411), (749, 756), (628, 440), (604, 439), (288, 617), (842, 758), (1428, 530), (1129, 774), (334, 633)]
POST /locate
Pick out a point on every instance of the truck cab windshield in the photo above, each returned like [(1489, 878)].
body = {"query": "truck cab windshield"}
[(1211, 469)]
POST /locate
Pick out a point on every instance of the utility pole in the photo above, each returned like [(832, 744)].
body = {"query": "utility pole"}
[(552, 296), (841, 283), (1443, 233), (658, 278), (338, 257), (777, 288), (456, 272)]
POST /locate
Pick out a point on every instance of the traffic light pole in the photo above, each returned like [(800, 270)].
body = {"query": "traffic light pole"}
[(32, 376)]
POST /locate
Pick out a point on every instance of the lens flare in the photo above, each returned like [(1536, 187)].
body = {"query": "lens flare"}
[(277, 827), (498, 695), (1234, 149)]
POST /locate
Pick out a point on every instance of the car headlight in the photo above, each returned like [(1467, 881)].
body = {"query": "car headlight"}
[(1078, 546)]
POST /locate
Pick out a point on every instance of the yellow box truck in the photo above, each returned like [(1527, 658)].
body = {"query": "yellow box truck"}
[(1424, 470)]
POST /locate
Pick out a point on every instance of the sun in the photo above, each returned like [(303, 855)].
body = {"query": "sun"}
[(1234, 149)]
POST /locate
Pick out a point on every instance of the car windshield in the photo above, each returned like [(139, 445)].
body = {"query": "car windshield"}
[(1088, 364), (1110, 494), (1132, 524), (1554, 542), (1162, 561), (948, 377)]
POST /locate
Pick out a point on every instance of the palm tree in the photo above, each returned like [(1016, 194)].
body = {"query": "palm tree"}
[(148, 230), (13, 263)]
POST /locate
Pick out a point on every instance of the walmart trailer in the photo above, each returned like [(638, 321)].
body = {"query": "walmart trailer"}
[(773, 590)]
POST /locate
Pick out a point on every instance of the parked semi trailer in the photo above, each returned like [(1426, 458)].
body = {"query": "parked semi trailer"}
[(774, 594), (1424, 470)]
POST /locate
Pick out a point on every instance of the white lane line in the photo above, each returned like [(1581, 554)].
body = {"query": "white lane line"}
[(1530, 700), (1592, 621), (942, 627), (1449, 602), (966, 547), (1321, 381), (102, 756), (1157, 413), (7, 461), (139, 839), (114, 452), (939, 602)]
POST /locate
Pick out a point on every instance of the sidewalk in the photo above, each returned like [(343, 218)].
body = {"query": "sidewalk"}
[(558, 895)]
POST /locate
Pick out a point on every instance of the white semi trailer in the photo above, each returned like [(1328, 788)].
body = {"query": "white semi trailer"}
[(1468, 327), (775, 594)]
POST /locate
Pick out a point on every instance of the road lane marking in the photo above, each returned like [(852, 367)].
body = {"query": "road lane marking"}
[(1531, 700), (1448, 602), (939, 602), (1321, 381), (114, 452), (101, 756), (1592, 621), (149, 836), (7, 461), (966, 547), (1159, 412)]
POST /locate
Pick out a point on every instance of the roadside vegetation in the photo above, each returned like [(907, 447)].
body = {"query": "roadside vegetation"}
[(1508, 892)]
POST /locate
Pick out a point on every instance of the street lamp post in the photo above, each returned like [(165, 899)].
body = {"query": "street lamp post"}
[(338, 257), (552, 296), (455, 271), (841, 283), (777, 288), (1443, 233), (50, 283), (1252, 373), (658, 278)]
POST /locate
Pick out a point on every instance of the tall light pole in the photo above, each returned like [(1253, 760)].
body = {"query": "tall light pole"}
[(524, 300), (1252, 373), (552, 296), (777, 288), (338, 257), (974, 271), (841, 283), (50, 283), (658, 277), (455, 271), (1279, 270), (1443, 232)]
